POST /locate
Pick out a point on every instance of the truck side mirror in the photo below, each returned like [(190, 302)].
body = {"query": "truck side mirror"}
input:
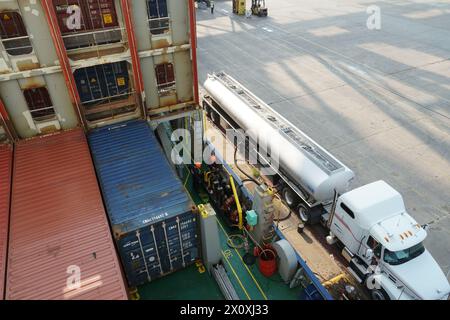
[(369, 253)]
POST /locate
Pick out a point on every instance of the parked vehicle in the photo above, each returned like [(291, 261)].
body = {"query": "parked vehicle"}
[(382, 242)]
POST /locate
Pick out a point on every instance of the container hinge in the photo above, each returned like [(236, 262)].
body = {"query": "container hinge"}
[(138, 235), (152, 229), (168, 246), (181, 242)]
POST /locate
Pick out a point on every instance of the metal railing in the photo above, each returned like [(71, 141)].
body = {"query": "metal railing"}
[(20, 44), (100, 101), (50, 114), (111, 107), (94, 38), (159, 26), (168, 88)]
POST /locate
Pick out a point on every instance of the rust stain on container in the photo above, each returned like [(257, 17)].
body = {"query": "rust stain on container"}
[(5, 183), (27, 65), (60, 245), (98, 52), (33, 83), (159, 44)]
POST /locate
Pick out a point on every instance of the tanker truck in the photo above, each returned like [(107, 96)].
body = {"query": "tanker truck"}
[(382, 243)]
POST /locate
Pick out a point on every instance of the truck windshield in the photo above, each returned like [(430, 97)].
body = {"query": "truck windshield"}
[(400, 257)]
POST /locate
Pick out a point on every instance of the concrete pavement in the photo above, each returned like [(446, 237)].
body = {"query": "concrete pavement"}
[(379, 100)]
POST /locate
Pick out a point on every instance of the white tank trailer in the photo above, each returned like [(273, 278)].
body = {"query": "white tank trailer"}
[(310, 166)]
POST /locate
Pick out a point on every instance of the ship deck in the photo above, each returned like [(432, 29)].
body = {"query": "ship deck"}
[(195, 283)]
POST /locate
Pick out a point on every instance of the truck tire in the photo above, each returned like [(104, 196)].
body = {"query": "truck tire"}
[(304, 213), (290, 197), (207, 110), (215, 118), (307, 215), (379, 294)]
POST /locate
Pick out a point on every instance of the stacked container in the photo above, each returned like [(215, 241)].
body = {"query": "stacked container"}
[(5, 182), (60, 246), (120, 60), (98, 25), (32, 85), (96, 42), (67, 64), (153, 219)]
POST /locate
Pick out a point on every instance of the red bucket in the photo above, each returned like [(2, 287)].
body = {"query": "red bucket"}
[(268, 262)]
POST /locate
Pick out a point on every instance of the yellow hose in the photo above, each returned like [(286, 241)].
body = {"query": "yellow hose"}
[(335, 280), (238, 203)]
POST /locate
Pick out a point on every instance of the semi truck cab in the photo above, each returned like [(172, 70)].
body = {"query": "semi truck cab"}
[(384, 245)]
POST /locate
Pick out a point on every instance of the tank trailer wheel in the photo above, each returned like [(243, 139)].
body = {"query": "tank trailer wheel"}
[(304, 213), (290, 197)]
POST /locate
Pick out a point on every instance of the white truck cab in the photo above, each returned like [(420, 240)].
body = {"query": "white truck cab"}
[(384, 245)]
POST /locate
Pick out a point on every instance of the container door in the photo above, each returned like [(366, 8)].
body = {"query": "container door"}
[(90, 18), (132, 250), (89, 85), (144, 261), (102, 14), (42, 115), (179, 242), (14, 34), (158, 17), (106, 92)]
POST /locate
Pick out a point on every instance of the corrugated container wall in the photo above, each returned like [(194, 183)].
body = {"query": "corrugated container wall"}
[(60, 245), (5, 184), (152, 217), (32, 84)]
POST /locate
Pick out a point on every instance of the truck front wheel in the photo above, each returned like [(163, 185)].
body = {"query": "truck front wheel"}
[(379, 294)]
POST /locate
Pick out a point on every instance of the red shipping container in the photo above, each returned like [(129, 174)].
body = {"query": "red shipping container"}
[(5, 184), (60, 245), (94, 14)]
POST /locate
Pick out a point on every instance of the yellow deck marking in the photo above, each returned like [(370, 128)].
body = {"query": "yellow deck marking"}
[(248, 270), (235, 274), (253, 277)]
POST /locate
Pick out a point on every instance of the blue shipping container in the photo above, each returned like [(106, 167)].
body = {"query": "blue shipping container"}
[(101, 83), (151, 214)]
